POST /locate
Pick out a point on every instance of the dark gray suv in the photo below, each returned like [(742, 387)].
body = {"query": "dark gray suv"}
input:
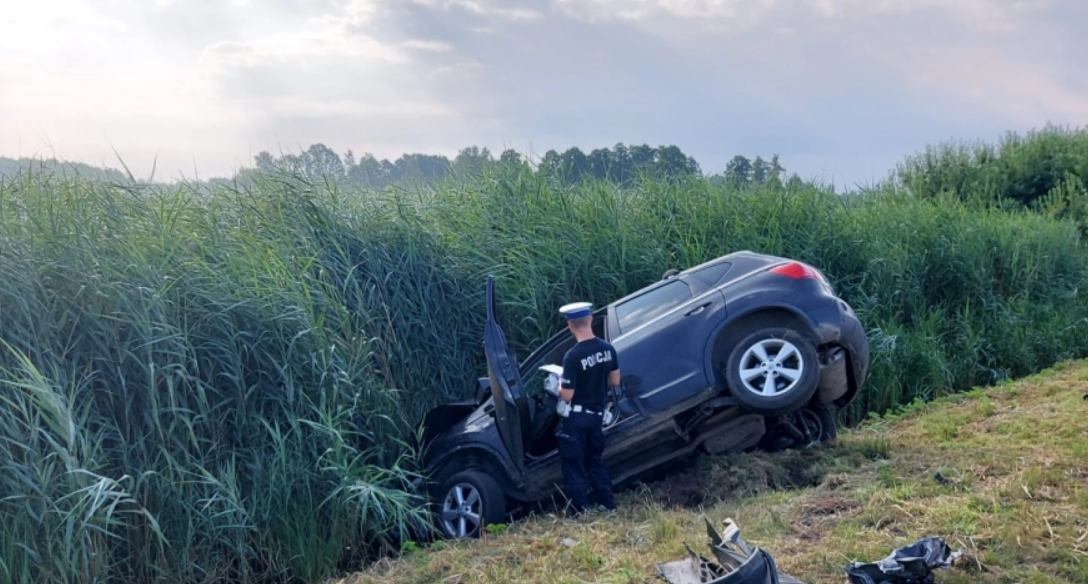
[(744, 351)]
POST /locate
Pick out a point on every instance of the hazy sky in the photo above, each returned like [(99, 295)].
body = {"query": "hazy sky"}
[(840, 89)]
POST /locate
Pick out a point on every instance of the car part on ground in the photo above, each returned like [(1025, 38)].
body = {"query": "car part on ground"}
[(736, 562), (912, 564)]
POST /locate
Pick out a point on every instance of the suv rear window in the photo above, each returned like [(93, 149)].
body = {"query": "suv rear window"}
[(652, 304)]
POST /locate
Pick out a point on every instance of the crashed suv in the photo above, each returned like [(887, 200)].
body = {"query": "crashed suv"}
[(744, 351)]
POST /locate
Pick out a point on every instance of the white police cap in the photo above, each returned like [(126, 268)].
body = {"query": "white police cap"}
[(576, 310)]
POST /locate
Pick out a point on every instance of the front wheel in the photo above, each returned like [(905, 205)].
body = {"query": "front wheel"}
[(773, 371), (469, 501), (813, 424)]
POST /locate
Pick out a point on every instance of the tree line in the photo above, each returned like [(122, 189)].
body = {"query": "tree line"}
[(11, 167), (621, 164)]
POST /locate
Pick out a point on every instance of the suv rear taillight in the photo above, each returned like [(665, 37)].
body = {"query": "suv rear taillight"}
[(795, 270)]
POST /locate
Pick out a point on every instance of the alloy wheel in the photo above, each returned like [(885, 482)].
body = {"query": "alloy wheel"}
[(461, 510), (771, 367)]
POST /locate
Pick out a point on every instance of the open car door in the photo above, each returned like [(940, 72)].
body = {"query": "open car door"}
[(511, 405)]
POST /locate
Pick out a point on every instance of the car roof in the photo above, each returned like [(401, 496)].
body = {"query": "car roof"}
[(730, 257)]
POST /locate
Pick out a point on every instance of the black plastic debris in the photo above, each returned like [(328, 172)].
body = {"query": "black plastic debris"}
[(736, 562), (912, 564)]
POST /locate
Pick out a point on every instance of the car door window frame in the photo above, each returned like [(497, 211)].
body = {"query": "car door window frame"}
[(718, 270), (625, 323), (535, 359)]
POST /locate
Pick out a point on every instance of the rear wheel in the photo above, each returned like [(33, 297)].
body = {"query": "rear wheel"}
[(773, 371), (468, 502)]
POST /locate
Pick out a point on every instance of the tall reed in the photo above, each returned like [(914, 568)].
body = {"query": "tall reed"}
[(208, 384)]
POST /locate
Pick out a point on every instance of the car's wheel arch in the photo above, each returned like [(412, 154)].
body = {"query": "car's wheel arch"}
[(476, 456), (741, 324)]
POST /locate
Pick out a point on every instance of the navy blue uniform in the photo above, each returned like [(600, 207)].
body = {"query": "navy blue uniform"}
[(581, 438)]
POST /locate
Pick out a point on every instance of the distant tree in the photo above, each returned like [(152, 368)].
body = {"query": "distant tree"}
[(390, 171), (760, 169), (10, 167), (511, 158), (621, 164), (320, 161), (511, 161), (764, 172), (777, 170), (574, 164), (472, 160), (672, 163), (315, 162), (425, 168), (642, 157), (550, 165), (369, 172), (599, 163), (738, 171)]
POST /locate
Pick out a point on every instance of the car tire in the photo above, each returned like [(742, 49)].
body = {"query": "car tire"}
[(821, 417), (747, 372), (467, 503), (812, 424)]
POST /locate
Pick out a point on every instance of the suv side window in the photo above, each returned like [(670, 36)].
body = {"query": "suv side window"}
[(654, 303), (712, 275)]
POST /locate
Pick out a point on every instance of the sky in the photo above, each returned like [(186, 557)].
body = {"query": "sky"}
[(841, 90)]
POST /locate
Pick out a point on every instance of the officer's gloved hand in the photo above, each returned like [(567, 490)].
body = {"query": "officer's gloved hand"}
[(563, 408)]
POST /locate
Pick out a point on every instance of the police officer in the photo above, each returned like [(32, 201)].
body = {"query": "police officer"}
[(590, 370)]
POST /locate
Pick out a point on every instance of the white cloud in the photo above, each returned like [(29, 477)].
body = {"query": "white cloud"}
[(481, 8), (967, 50), (461, 70), (643, 9), (1022, 92), (293, 106), (213, 80), (324, 37), (982, 15), (436, 46)]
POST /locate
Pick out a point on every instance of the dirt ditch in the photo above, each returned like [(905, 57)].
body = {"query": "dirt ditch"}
[(711, 479)]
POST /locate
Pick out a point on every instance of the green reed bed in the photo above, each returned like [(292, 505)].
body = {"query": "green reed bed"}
[(213, 385)]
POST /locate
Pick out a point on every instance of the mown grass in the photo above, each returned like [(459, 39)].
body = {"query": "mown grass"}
[(221, 384), (1012, 494)]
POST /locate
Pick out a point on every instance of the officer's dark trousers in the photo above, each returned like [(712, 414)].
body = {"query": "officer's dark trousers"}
[(581, 443)]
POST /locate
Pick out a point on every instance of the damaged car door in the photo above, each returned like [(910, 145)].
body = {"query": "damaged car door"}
[(512, 414)]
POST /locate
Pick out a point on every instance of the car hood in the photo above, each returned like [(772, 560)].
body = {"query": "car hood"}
[(478, 425)]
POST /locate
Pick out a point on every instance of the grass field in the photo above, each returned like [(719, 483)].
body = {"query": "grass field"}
[(1014, 499)]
